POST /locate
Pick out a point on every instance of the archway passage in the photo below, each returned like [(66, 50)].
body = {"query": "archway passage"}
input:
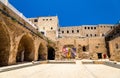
[(51, 53), (25, 50), (41, 52), (4, 46)]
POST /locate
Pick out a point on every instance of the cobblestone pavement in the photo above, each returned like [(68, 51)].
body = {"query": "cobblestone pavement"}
[(77, 70)]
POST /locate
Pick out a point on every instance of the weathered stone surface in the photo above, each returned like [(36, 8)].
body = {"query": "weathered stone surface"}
[(17, 42)]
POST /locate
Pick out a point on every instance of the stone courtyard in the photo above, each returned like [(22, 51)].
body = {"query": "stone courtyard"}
[(40, 48), (68, 70)]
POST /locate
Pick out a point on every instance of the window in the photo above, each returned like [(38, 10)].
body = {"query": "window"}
[(43, 19), (91, 27), (95, 35), (35, 20), (85, 27), (86, 35), (91, 35), (51, 28), (67, 31), (46, 19), (62, 31), (42, 33), (94, 27), (77, 31), (72, 31), (50, 19), (88, 27), (103, 35)]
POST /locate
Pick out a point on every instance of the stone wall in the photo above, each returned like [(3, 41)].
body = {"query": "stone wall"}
[(115, 49), (86, 48), (18, 43)]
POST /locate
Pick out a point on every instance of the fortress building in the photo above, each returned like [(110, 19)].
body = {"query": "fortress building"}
[(85, 41), (47, 26), (41, 38)]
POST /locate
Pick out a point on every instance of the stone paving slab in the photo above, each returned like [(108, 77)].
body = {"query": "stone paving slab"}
[(19, 66), (103, 71), (77, 70), (113, 64)]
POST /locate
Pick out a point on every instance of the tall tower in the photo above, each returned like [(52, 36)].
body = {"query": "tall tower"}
[(47, 25)]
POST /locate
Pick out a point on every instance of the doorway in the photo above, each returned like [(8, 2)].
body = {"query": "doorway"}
[(99, 55), (51, 53)]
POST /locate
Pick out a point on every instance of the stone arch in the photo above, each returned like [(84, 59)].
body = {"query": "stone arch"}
[(51, 53), (42, 52), (25, 51), (4, 45)]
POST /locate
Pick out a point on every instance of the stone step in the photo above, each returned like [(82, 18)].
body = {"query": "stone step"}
[(112, 64), (60, 62), (18, 66)]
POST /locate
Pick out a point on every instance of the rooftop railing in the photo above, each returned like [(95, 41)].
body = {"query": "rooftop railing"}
[(17, 12), (33, 29)]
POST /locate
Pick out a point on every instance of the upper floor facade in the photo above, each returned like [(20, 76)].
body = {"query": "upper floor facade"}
[(50, 24)]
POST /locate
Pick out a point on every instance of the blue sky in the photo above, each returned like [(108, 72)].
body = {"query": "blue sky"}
[(72, 12)]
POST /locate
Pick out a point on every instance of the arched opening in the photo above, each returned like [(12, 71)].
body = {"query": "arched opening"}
[(4, 46), (41, 52), (51, 53), (25, 50)]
